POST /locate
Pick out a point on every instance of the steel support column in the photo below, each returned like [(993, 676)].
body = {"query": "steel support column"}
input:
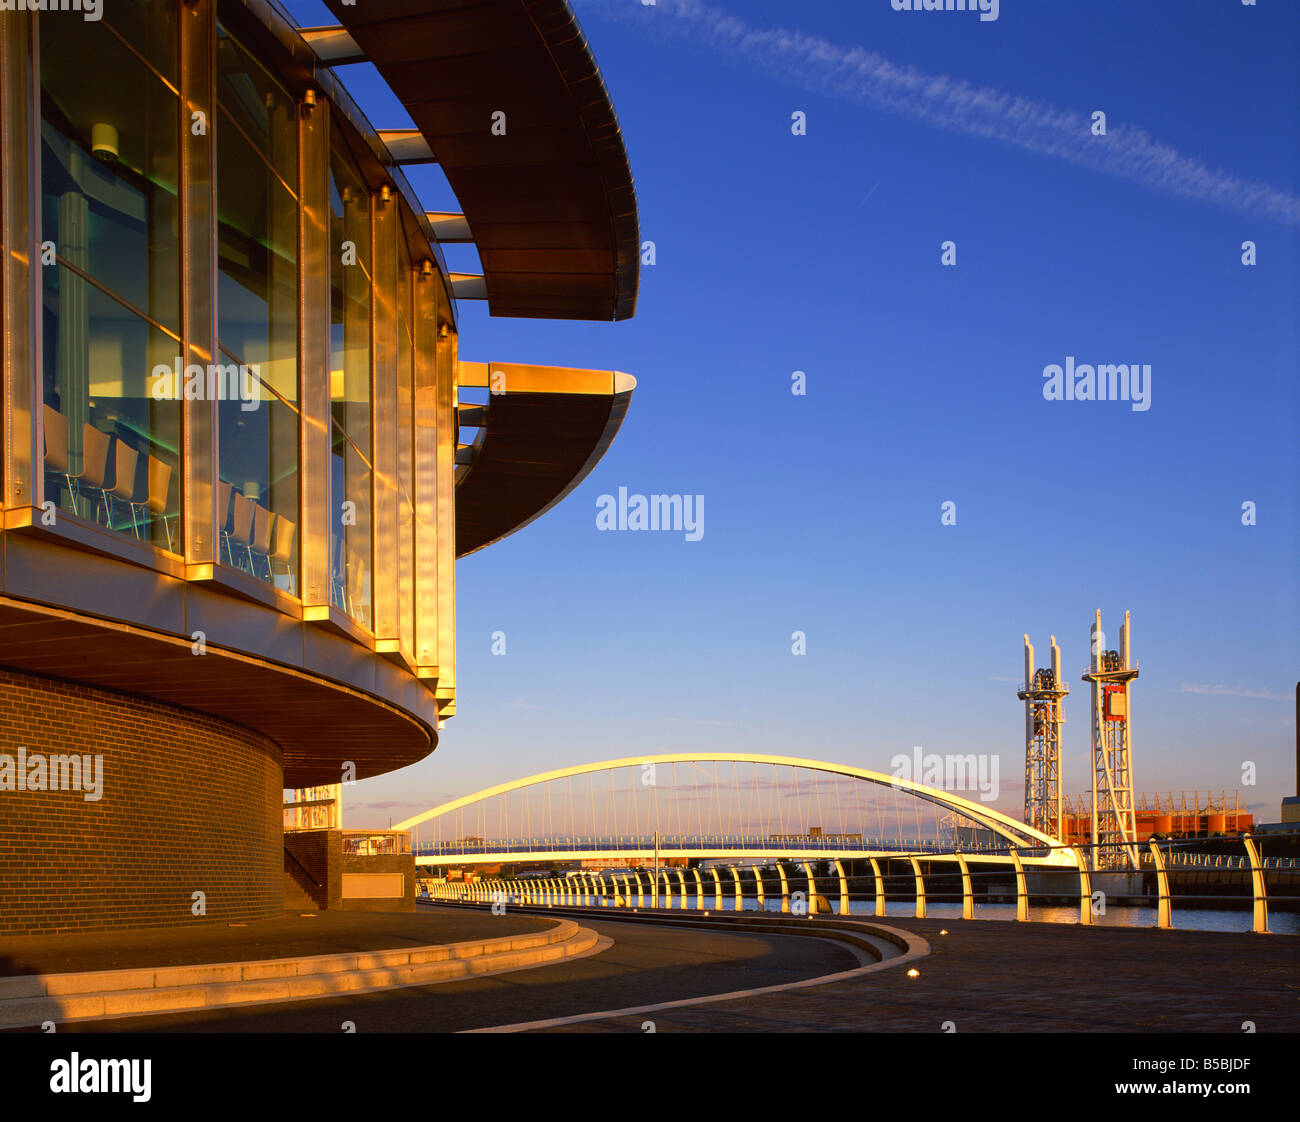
[(1259, 913), (844, 887), (920, 888), (880, 886), (1022, 892), (967, 892)]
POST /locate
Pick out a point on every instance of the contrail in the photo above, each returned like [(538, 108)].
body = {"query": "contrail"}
[(856, 74)]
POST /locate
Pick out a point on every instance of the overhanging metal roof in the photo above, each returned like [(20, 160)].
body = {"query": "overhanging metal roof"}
[(550, 204), (537, 441)]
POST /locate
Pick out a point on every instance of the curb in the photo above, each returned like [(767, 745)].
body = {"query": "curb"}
[(28, 1000)]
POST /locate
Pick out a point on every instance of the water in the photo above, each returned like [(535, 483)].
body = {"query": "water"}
[(1184, 919)]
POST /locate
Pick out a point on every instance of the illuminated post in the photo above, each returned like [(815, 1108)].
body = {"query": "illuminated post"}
[(920, 888), (1164, 903), (1259, 890), (880, 886), (967, 893), (717, 888), (1085, 889), (1022, 893), (740, 900), (844, 887), (812, 889), (758, 882), (785, 887)]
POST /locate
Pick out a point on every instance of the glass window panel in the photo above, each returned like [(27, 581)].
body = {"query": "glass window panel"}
[(350, 280), (111, 442), (149, 27), (111, 306), (405, 452), (257, 320), (109, 166)]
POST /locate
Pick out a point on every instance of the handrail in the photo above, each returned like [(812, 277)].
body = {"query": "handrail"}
[(305, 871)]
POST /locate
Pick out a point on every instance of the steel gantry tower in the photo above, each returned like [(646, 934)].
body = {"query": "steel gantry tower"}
[(1043, 692), (1114, 826)]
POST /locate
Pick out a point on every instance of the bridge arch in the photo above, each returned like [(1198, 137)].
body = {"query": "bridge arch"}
[(942, 820)]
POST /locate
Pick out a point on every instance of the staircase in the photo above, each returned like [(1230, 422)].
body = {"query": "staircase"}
[(302, 891), (295, 896)]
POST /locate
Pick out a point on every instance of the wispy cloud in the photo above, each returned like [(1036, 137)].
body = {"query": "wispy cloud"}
[(697, 721), (997, 678), (946, 102), (1233, 691), (391, 804), (519, 703)]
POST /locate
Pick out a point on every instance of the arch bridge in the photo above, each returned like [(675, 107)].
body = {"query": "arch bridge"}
[(719, 806), (631, 832)]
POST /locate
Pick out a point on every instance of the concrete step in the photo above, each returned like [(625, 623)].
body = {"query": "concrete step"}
[(31, 999)]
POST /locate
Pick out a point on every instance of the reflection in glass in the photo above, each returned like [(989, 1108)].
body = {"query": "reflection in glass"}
[(111, 306), (405, 451), (350, 280), (257, 318)]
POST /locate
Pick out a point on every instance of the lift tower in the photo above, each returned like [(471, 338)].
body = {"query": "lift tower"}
[(1114, 826), (1043, 693)]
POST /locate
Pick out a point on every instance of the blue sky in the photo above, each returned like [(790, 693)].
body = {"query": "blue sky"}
[(821, 253)]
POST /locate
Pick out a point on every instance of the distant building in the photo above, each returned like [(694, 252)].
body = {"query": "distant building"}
[(1198, 814)]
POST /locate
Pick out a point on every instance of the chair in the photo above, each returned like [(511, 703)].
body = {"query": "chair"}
[(358, 585), (56, 450), (95, 447), (260, 543), (338, 582), (123, 488), (224, 491), (241, 525), (157, 479), (286, 540)]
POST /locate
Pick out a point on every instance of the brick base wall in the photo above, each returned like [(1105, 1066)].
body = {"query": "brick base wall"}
[(189, 804)]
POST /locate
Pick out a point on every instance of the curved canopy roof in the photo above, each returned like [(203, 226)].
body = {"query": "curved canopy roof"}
[(550, 203), (542, 431)]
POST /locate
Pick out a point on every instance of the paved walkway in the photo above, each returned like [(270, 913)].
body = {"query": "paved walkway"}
[(293, 936), (645, 964), (992, 976)]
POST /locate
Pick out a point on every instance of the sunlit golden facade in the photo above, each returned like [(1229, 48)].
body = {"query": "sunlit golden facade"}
[(232, 414)]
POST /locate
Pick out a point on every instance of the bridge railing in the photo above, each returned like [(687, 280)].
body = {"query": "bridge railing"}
[(673, 842), (1154, 874)]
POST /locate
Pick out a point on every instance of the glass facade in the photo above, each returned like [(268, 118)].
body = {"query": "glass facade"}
[(110, 316), (182, 328), (351, 281), (257, 318)]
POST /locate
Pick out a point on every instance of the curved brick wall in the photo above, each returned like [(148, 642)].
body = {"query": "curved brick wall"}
[(189, 803)]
